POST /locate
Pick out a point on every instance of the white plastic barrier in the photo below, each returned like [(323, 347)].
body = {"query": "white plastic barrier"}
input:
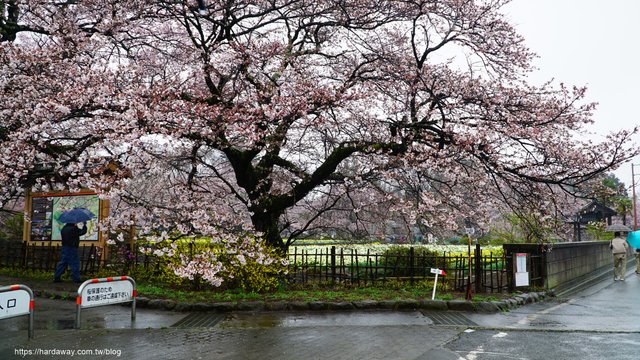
[(17, 300), (106, 291)]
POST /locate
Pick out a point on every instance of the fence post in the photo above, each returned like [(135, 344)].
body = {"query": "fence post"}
[(543, 266), (295, 259), (89, 267), (333, 263), (509, 267), (31, 250), (411, 262), (23, 255), (478, 268)]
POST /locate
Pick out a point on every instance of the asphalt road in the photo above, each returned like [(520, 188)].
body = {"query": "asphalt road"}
[(601, 322)]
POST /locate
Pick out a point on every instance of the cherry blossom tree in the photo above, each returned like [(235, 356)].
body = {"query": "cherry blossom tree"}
[(209, 117)]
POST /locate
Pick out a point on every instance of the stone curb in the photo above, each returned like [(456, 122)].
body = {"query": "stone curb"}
[(398, 305)]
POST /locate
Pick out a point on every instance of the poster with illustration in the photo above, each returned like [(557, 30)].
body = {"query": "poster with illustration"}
[(42, 209), (64, 203)]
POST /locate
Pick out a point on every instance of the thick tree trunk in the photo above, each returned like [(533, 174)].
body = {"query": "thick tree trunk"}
[(267, 224)]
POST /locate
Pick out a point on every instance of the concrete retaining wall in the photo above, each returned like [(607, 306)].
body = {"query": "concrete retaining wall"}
[(564, 263), (570, 261)]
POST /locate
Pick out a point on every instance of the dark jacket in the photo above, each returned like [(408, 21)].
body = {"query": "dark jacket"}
[(71, 235)]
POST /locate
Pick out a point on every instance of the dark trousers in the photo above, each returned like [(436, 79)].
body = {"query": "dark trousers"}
[(69, 258)]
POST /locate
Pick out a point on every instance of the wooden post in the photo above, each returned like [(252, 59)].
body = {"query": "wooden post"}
[(478, 268), (411, 267), (26, 228), (333, 263), (469, 292)]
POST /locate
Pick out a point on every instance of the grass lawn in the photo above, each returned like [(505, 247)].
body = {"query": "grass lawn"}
[(326, 292)]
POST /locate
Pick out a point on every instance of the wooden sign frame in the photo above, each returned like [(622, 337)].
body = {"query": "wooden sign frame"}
[(45, 218)]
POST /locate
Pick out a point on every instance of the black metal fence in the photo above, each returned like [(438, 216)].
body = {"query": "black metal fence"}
[(45, 256), (480, 273)]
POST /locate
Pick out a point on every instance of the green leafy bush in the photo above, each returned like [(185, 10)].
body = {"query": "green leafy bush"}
[(244, 264)]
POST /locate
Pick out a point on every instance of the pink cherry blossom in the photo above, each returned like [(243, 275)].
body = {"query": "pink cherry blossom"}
[(284, 118)]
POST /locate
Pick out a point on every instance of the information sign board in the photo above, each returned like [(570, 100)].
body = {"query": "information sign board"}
[(106, 291)]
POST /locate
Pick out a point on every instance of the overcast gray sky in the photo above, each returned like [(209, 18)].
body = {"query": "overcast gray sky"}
[(593, 43)]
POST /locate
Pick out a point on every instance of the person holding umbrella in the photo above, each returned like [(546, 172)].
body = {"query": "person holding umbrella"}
[(71, 234), (633, 238), (619, 248)]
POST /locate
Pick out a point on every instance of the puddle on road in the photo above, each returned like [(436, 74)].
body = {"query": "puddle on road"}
[(254, 321), (52, 324), (248, 321), (59, 324)]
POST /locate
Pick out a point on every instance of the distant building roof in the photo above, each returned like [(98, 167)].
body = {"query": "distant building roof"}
[(594, 211)]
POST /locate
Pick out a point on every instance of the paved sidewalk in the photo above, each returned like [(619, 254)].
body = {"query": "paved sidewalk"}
[(66, 289)]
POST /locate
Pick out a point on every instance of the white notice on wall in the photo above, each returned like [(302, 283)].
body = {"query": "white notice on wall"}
[(522, 275), (521, 262), (522, 279)]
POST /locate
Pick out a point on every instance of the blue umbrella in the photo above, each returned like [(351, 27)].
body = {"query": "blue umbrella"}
[(76, 215), (633, 238)]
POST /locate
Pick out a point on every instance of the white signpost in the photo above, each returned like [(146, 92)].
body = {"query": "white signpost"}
[(435, 282), (17, 300), (106, 291)]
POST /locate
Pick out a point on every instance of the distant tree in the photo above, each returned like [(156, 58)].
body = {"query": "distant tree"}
[(241, 115), (11, 226), (609, 191), (597, 230)]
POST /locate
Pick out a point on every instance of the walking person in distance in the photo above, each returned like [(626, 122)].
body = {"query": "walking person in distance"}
[(619, 249), (70, 242)]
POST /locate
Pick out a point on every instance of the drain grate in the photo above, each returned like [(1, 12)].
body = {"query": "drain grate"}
[(448, 318), (198, 320), (545, 322)]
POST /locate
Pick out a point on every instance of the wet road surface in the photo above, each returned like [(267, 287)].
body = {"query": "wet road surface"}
[(599, 322)]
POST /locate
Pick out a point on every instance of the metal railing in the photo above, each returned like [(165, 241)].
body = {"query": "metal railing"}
[(482, 273)]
